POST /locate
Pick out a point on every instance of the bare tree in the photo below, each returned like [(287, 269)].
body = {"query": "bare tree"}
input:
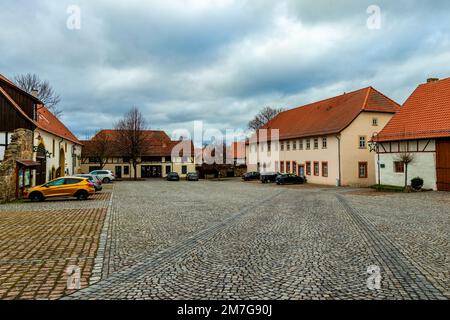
[(30, 82), (406, 158), (131, 136), (264, 116), (100, 148)]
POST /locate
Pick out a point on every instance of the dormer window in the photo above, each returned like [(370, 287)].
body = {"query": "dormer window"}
[(375, 122)]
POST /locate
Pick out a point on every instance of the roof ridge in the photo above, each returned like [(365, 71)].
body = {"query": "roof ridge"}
[(331, 98)]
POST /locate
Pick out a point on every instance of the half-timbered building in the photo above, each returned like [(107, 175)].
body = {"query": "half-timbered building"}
[(422, 130)]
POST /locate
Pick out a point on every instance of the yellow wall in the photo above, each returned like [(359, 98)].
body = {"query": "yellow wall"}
[(351, 154)]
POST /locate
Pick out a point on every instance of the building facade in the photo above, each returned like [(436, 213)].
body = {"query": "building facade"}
[(56, 151), (420, 130), (327, 142), (160, 156)]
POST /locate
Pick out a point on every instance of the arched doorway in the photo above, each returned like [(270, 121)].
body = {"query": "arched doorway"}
[(60, 172), (42, 168)]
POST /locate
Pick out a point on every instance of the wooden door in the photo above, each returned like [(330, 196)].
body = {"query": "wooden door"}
[(443, 165)]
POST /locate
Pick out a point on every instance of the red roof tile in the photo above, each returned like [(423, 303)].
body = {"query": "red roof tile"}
[(426, 114), (238, 150), (331, 115), (157, 143), (48, 122)]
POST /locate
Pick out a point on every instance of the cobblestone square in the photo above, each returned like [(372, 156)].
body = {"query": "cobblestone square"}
[(228, 240)]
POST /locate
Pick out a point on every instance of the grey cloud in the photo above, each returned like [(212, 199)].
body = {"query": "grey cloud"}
[(221, 61)]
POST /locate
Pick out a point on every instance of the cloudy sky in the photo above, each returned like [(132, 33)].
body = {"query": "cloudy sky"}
[(219, 61)]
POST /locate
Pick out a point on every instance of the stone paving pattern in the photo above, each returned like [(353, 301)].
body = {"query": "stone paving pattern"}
[(234, 240), (38, 241)]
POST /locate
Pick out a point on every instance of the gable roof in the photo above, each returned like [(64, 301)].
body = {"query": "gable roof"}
[(426, 114), (46, 120), (330, 116)]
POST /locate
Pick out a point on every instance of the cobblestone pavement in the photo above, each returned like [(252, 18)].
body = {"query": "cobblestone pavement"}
[(234, 240), (39, 241)]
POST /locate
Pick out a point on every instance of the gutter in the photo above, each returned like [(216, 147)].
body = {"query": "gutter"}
[(339, 182)]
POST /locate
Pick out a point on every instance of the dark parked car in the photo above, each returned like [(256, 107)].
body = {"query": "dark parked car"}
[(269, 177), (251, 176), (94, 179), (289, 179), (173, 176), (192, 176)]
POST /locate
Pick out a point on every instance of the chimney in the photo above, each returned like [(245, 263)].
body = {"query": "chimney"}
[(429, 80), (35, 92)]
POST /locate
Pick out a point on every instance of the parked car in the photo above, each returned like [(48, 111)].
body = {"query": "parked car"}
[(105, 176), (78, 187), (94, 179), (269, 177), (192, 176), (251, 176), (289, 179), (173, 176)]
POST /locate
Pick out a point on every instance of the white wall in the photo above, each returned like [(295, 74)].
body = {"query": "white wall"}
[(53, 162), (423, 166)]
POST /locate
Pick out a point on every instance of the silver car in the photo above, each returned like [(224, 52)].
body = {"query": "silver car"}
[(94, 179), (105, 176)]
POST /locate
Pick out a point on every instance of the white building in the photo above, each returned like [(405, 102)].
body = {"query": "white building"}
[(421, 130), (56, 149)]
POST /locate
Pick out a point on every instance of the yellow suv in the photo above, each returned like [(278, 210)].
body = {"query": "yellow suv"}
[(80, 188)]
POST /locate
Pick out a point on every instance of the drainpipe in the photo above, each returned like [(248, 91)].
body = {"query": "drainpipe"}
[(338, 137)]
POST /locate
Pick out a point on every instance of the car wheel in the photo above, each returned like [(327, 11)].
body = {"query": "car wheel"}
[(106, 180), (82, 195), (37, 196)]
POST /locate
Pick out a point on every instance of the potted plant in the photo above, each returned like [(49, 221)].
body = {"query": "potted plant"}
[(417, 183)]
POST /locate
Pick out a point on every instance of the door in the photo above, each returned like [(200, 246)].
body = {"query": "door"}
[(41, 170), (443, 165), (301, 171), (118, 172)]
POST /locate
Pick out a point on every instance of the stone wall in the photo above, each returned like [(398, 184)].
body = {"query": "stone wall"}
[(21, 147)]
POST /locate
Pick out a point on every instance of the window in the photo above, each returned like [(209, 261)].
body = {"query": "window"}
[(168, 169), (282, 146), (375, 122), (65, 147), (399, 167), (362, 142), (316, 168), (324, 143), (362, 170), (269, 147), (56, 183), (288, 166), (282, 166), (308, 168), (301, 144), (308, 144), (316, 143), (72, 181), (324, 169), (126, 170), (288, 145), (183, 169), (294, 167), (53, 148), (294, 145)]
